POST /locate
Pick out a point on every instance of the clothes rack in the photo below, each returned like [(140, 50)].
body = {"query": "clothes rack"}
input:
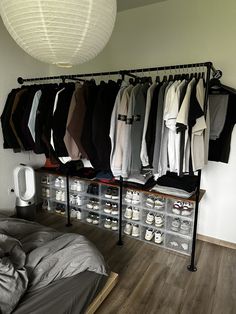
[(133, 73)]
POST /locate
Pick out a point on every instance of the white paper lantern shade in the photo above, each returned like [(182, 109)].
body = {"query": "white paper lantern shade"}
[(62, 32)]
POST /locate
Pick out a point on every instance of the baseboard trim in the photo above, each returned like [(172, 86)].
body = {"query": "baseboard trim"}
[(227, 244)]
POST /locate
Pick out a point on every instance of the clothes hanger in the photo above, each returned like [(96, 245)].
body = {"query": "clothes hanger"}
[(158, 79)]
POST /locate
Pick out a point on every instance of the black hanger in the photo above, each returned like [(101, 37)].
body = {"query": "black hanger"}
[(164, 79), (158, 79), (170, 77)]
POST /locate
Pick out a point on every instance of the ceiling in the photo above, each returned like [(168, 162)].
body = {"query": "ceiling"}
[(130, 4)]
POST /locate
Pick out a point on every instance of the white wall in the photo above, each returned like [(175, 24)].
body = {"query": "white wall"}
[(13, 63), (176, 32)]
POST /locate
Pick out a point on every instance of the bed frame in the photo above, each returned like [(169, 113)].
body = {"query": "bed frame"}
[(110, 284)]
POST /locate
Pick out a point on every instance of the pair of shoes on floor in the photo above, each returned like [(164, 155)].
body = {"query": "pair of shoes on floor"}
[(77, 185), (111, 208), (93, 204), (155, 202), (182, 208), (153, 218), (132, 197), (112, 193), (132, 213), (93, 218), (132, 229), (182, 226), (157, 235), (111, 224)]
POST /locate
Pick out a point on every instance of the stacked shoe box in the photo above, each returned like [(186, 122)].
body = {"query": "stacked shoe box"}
[(84, 201), (180, 218), (110, 207), (132, 213), (154, 219), (144, 216), (159, 220)]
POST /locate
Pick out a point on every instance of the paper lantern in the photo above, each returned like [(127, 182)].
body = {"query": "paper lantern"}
[(62, 32)]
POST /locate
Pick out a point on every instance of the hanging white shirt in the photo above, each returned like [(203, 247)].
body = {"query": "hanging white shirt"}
[(143, 152), (117, 154), (182, 118), (32, 116)]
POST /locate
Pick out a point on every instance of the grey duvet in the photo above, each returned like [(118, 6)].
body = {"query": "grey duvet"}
[(33, 256)]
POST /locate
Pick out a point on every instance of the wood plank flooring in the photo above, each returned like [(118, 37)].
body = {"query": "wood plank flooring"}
[(155, 281)]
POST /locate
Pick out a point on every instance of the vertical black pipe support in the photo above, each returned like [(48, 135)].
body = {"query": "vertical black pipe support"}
[(68, 200), (192, 266), (120, 242)]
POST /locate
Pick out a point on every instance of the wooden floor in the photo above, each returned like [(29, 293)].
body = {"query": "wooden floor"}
[(155, 281)]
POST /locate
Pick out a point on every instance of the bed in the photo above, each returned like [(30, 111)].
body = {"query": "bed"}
[(46, 271)]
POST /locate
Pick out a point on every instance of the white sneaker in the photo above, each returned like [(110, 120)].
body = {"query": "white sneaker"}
[(149, 234), (89, 219), (73, 213), (176, 211), (79, 186), (96, 205), (128, 212), (47, 192), (159, 203), (186, 212), (95, 220), (79, 200), (185, 227), (114, 224), (136, 198), (150, 218), (89, 205), (63, 196), (58, 195), (107, 223), (63, 184), (129, 196), (136, 214), (79, 214), (174, 244), (150, 202), (114, 209), (184, 246), (107, 208), (73, 199), (159, 221), (73, 185), (135, 231), (128, 228), (177, 207), (158, 237), (57, 182), (175, 224)]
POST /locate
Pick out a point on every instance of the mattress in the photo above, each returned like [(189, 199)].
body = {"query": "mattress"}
[(70, 295)]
